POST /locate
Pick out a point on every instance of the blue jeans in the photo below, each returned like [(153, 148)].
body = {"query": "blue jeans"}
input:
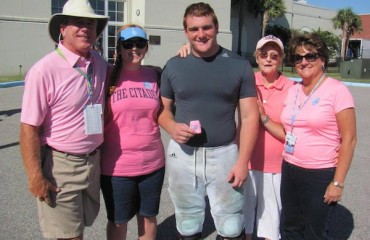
[(194, 172), (127, 196), (304, 213)]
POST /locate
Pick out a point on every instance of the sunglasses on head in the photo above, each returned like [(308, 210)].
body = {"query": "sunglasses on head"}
[(310, 57), (273, 56), (130, 44)]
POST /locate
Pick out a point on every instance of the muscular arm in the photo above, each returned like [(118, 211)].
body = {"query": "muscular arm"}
[(179, 132), (249, 117), (346, 121), (30, 149)]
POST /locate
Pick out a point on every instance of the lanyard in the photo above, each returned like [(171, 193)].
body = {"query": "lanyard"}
[(87, 75), (294, 110)]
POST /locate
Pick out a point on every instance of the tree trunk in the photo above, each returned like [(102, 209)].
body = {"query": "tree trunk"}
[(344, 42), (265, 20)]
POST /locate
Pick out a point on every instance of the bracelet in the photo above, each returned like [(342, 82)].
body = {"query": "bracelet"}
[(264, 121)]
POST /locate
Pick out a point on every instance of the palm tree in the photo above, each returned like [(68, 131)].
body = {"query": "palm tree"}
[(271, 9), (350, 23)]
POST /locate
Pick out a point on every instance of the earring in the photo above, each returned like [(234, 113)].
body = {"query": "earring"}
[(323, 67)]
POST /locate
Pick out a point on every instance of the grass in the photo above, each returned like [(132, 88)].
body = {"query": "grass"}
[(11, 78)]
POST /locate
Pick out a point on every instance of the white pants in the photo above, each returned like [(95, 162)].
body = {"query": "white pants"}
[(263, 204)]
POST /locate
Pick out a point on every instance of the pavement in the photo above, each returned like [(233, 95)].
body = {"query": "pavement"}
[(18, 213)]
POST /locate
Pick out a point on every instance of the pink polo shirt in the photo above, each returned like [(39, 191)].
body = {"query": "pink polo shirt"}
[(55, 95), (315, 125), (267, 154), (132, 140)]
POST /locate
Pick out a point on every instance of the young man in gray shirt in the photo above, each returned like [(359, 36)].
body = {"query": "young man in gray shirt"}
[(203, 156)]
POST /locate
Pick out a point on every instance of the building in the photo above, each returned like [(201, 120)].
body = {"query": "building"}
[(298, 15), (24, 27), (359, 43)]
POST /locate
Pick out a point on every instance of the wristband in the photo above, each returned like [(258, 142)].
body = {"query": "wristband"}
[(264, 121)]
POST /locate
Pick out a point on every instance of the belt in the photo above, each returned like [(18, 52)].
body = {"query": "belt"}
[(74, 154)]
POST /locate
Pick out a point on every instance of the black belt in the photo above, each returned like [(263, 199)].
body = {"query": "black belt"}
[(74, 154)]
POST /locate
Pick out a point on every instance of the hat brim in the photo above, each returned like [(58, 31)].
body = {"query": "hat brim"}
[(58, 18)]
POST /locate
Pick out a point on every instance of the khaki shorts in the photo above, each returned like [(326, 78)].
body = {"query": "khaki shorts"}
[(77, 204)]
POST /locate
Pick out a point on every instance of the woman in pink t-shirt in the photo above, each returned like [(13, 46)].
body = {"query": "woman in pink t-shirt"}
[(320, 125), (132, 161)]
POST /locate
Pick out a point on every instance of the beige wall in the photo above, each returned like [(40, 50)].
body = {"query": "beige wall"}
[(24, 37), (164, 18)]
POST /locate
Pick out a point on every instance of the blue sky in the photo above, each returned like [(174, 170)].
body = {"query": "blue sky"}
[(358, 6)]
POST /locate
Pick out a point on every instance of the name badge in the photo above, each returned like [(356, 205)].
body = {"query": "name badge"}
[(288, 148), (93, 119), (290, 139)]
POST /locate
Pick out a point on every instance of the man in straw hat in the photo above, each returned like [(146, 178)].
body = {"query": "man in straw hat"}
[(61, 123)]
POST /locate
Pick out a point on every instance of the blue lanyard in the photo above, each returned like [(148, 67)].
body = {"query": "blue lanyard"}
[(87, 76), (294, 110)]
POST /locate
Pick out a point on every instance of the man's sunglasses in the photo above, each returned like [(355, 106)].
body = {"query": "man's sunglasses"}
[(130, 44), (310, 57)]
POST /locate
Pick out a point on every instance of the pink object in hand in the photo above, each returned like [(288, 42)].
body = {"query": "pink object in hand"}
[(195, 125)]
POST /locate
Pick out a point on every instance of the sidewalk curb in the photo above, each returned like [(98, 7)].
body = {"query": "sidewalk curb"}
[(11, 84)]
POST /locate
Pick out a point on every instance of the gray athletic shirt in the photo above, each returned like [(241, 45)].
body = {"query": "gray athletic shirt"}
[(208, 90)]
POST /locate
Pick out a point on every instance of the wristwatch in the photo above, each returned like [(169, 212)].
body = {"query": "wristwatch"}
[(337, 184)]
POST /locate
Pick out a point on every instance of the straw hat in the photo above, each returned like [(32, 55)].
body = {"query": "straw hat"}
[(75, 8)]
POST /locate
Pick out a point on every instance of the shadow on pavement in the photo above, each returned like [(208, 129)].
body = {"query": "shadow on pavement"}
[(9, 145), (9, 113), (341, 224)]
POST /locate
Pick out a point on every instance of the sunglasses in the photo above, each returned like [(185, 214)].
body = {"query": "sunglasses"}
[(130, 44), (273, 56), (310, 57)]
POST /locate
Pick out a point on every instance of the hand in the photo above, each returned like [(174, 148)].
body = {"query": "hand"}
[(261, 109), (40, 188), (185, 50), (332, 194), (181, 133), (238, 175)]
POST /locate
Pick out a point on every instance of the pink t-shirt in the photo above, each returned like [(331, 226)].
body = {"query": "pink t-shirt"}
[(55, 95), (267, 154), (315, 125), (132, 141)]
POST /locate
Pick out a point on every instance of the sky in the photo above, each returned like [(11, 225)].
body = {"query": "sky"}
[(358, 6)]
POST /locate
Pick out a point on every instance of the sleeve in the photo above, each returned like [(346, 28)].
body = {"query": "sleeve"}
[(248, 85), (35, 99), (165, 85), (343, 98)]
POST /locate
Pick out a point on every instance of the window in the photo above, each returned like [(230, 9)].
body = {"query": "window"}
[(57, 6), (116, 13)]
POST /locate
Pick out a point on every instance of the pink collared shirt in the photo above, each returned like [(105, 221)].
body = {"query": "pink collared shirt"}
[(55, 95), (267, 154)]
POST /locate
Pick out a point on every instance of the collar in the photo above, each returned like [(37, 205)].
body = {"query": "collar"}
[(73, 59), (279, 84)]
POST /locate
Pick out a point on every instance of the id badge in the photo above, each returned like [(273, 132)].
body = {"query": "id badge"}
[(288, 148), (290, 139), (93, 119)]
